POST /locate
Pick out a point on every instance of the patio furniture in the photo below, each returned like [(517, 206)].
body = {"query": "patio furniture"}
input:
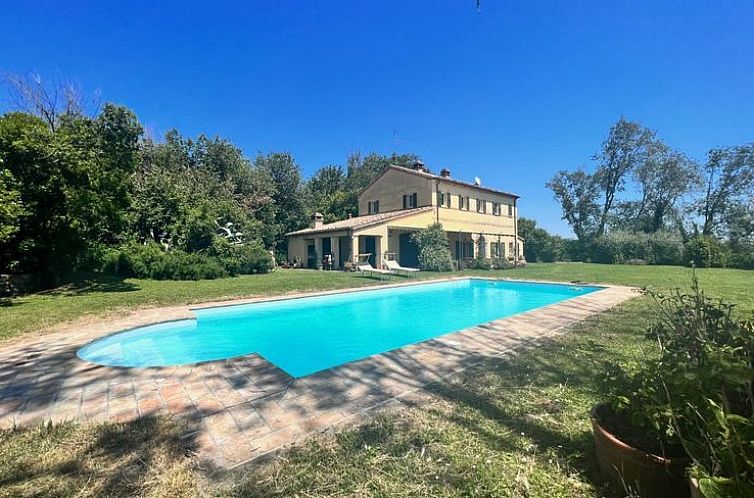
[(364, 266), (393, 265)]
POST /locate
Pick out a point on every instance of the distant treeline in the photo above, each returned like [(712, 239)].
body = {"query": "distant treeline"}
[(647, 203)]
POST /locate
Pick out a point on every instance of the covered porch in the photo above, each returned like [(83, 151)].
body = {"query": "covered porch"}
[(332, 251)]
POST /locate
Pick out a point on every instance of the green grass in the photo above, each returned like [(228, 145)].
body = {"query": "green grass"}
[(514, 427)]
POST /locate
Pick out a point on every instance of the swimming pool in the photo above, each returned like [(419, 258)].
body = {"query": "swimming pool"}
[(306, 335)]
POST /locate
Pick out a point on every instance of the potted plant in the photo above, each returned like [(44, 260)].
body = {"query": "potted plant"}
[(713, 415), (689, 403), (632, 448)]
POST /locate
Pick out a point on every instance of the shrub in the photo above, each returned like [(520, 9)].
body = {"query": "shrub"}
[(256, 259), (434, 249), (741, 255), (659, 248), (250, 257), (705, 252), (151, 261)]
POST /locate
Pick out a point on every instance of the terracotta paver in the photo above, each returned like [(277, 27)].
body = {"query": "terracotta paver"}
[(246, 407)]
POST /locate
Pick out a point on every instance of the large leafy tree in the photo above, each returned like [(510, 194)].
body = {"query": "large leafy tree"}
[(626, 147), (578, 191), (187, 191), (362, 170), (326, 192), (729, 183), (663, 179), (288, 196), (73, 180)]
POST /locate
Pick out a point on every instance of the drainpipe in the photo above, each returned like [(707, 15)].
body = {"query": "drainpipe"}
[(515, 230), (437, 201)]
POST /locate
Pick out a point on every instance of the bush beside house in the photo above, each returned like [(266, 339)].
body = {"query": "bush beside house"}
[(434, 248)]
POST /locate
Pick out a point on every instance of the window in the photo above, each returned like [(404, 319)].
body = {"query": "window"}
[(495, 250), (510, 248), (409, 201), (443, 199), (510, 209), (464, 249), (496, 208), (373, 207), (462, 202), (481, 206)]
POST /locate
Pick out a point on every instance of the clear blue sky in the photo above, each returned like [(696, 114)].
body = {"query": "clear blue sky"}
[(511, 94)]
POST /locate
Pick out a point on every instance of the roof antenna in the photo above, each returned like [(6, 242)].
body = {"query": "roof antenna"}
[(477, 181)]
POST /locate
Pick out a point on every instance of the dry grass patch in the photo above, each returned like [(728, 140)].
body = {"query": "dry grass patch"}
[(143, 458)]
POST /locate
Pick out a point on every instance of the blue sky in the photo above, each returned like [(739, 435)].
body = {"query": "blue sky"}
[(511, 94)]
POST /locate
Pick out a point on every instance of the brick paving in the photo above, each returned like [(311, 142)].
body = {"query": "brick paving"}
[(246, 407)]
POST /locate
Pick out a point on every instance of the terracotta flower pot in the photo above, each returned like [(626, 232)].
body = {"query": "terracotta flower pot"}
[(651, 476)]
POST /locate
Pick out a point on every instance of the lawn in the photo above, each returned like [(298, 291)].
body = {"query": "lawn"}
[(514, 427)]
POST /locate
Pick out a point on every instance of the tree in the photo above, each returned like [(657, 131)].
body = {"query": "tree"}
[(663, 178), (362, 170), (577, 193), (50, 101), (185, 188), (73, 179), (287, 196), (539, 244), (729, 180), (326, 193), (626, 147), (11, 207)]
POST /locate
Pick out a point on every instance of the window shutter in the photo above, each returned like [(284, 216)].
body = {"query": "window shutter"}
[(415, 200)]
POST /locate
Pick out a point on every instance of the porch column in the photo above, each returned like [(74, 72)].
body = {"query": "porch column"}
[(354, 247), (475, 239), (335, 250), (318, 252)]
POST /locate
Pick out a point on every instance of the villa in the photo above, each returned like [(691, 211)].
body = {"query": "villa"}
[(481, 223)]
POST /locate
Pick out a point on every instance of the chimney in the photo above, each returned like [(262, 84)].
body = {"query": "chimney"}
[(317, 221), (445, 173), (419, 165)]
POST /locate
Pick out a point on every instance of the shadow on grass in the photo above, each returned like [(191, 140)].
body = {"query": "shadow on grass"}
[(530, 407), (79, 284), (125, 459)]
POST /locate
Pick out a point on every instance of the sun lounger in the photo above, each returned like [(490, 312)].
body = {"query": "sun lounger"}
[(372, 271), (395, 267)]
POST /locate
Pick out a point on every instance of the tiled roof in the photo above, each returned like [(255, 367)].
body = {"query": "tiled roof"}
[(426, 174), (362, 221)]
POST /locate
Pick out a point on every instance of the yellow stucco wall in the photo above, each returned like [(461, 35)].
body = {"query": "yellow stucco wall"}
[(390, 188)]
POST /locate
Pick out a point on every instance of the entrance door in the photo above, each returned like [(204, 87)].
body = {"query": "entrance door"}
[(370, 246), (408, 253), (344, 250), (326, 246), (311, 256)]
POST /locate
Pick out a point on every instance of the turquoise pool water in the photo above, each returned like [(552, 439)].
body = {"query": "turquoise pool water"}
[(306, 335)]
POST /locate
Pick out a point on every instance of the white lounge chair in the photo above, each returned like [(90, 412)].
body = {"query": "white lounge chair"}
[(395, 267), (364, 266)]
